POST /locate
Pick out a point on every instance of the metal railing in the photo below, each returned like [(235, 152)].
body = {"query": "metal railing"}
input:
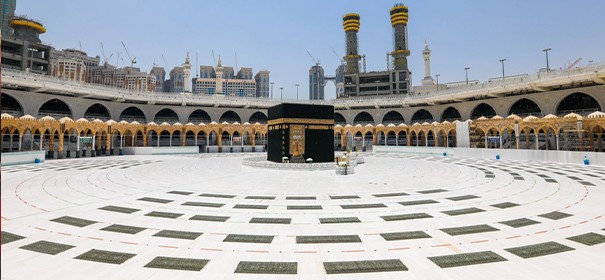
[(12, 76)]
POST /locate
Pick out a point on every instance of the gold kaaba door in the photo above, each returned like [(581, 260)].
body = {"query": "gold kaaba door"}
[(297, 140)]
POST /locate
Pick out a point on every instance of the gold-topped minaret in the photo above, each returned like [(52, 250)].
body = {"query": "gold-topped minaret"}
[(351, 24)]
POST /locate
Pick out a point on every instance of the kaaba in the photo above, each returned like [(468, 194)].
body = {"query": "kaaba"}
[(300, 132)]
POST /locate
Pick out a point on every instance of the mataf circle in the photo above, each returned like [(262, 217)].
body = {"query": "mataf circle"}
[(400, 216)]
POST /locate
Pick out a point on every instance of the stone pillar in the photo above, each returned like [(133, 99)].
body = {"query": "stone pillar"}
[(500, 141), (93, 148), (145, 140), (60, 146), (78, 146), (158, 143), (196, 140), (486, 140), (537, 141), (108, 145), (10, 148)]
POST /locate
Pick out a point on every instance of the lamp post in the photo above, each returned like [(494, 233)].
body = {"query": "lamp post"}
[(297, 85), (281, 93), (502, 61), (546, 51), (272, 83), (437, 81), (466, 70)]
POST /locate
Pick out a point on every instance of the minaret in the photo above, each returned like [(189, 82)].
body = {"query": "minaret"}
[(350, 22), (187, 75), (399, 21), (426, 54), (219, 77)]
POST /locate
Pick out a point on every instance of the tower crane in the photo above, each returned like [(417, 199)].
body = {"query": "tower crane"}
[(165, 64), (133, 60), (574, 63), (337, 56), (103, 53), (313, 58)]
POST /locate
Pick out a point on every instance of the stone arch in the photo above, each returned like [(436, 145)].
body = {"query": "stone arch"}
[(451, 114), (393, 117), (230, 117), (166, 115), (258, 117), (11, 105), (483, 110), (363, 118), (133, 113), (578, 102), (339, 119), (421, 116), (525, 107), (97, 111), (55, 108), (199, 116)]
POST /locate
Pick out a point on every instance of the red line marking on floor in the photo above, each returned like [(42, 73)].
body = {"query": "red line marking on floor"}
[(583, 222), (63, 233), (398, 249), (564, 227), (442, 245), (129, 243), (257, 251), (479, 241), (211, 249), (305, 252), (95, 238), (598, 217), (39, 228), (169, 247), (353, 251), (4, 218), (540, 232), (513, 237)]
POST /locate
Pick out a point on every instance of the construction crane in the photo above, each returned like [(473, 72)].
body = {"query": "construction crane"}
[(103, 53), (313, 58), (165, 64), (213, 58), (574, 63), (338, 57), (133, 60)]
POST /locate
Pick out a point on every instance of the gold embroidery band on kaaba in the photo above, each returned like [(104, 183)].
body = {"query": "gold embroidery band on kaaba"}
[(301, 121)]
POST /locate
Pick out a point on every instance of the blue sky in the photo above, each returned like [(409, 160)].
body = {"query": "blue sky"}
[(275, 34)]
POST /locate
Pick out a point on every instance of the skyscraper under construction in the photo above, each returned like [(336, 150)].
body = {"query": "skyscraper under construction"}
[(396, 79)]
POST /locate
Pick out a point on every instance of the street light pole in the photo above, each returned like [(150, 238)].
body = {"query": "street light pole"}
[(437, 81), (502, 61), (546, 51), (297, 85), (466, 70), (272, 83), (281, 94)]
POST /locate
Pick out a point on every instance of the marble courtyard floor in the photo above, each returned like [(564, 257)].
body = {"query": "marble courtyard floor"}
[(400, 216)]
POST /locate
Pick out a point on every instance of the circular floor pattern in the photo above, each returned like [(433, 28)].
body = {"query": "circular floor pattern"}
[(399, 216)]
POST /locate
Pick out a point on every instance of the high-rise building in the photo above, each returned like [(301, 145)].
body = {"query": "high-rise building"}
[(7, 12), (23, 50), (220, 80), (176, 82), (72, 64), (262, 83), (316, 82), (160, 76), (391, 81)]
